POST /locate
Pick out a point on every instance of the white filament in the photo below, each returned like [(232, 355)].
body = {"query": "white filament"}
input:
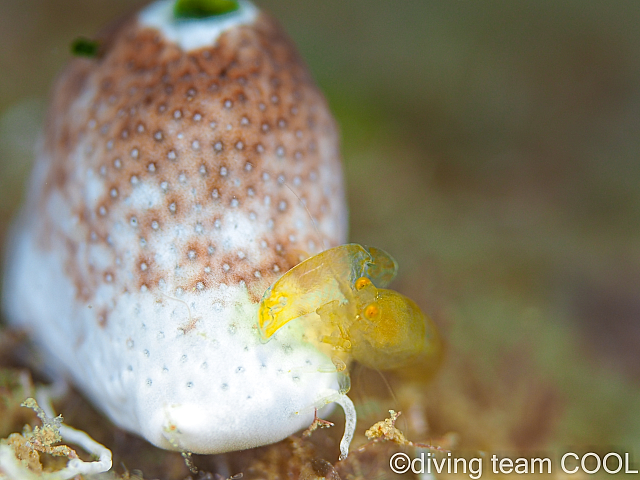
[(75, 466), (350, 423)]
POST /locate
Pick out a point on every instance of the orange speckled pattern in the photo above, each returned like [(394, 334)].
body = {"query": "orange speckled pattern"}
[(187, 147)]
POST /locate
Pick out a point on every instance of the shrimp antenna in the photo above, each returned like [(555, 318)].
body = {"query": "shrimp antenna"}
[(393, 396), (313, 220), (181, 301)]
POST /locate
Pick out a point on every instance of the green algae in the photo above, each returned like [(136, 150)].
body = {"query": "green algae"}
[(203, 8)]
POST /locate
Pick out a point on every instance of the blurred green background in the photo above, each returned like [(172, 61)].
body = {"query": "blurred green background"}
[(494, 149)]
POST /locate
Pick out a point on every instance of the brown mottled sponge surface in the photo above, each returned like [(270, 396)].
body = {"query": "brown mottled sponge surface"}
[(149, 143)]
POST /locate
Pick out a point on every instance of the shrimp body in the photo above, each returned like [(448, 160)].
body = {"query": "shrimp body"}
[(392, 332), (318, 280), (336, 290)]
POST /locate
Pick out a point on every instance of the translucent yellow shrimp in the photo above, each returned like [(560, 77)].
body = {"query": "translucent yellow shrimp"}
[(341, 288), (318, 280)]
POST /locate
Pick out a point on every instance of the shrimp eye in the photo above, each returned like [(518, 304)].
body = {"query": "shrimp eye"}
[(371, 311), (362, 282)]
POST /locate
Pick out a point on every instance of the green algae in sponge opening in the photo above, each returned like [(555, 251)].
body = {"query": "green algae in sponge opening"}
[(203, 8)]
